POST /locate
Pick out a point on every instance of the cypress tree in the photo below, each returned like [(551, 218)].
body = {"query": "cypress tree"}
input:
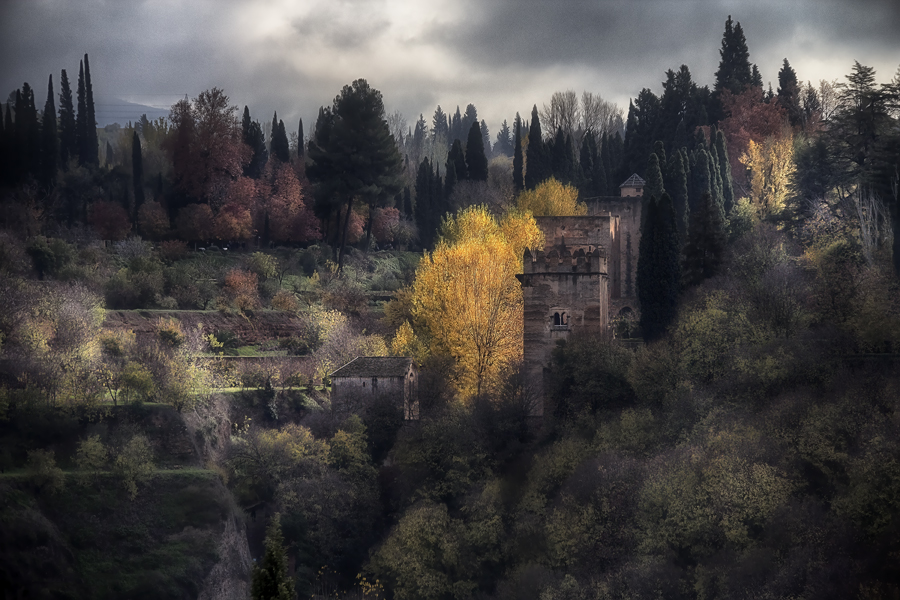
[(601, 185), (725, 171), (485, 140), (537, 161), (606, 166), (424, 208), (616, 160), (586, 166), (301, 147), (706, 242), (654, 186), (518, 159), (280, 147), (451, 178), (659, 149), (270, 579), (678, 186), (659, 268), (68, 146), (49, 140), (558, 158), (456, 162), (137, 174), (81, 119), (27, 132), (252, 135), (93, 144), (476, 161), (700, 179), (407, 203), (456, 132), (715, 179), (109, 155)]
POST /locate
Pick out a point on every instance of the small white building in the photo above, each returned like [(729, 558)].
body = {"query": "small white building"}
[(366, 378)]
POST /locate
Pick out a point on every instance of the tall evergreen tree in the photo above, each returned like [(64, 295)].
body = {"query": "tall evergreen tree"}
[(700, 178), (451, 178), (301, 146), (270, 580), (469, 117), (659, 268), (440, 128), (81, 118), (92, 144), (476, 161), (789, 93), (137, 174), (734, 72), (537, 161), (653, 185), (586, 166), (280, 147), (68, 146), (253, 136), (725, 172), (27, 132), (640, 133), (518, 158), (110, 157), (706, 242), (49, 140), (456, 127), (678, 187), (504, 144), (486, 140), (407, 203), (606, 166), (456, 162)]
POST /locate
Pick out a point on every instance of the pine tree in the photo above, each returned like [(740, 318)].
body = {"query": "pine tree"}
[(270, 578), (68, 146), (137, 174), (659, 268), (518, 158), (456, 127), (725, 172), (49, 158), (654, 186), (734, 72), (485, 140), (92, 144), (476, 161), (504, 145), (440, 128), (789, 93), (538, 163), (706, 242)]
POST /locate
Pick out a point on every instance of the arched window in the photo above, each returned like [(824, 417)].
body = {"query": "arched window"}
[(557, 321)]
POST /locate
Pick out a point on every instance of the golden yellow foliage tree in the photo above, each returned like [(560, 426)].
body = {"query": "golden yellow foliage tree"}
[(467, 296), (771, 165), (551, 199)]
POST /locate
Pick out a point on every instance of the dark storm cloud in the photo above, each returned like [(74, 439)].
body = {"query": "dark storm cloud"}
[(503, 55)]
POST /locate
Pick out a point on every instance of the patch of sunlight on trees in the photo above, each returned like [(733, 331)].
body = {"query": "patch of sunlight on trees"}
[(467, 296), (551, 199)]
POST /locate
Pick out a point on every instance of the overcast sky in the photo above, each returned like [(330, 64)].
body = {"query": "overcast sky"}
[(501, 55)]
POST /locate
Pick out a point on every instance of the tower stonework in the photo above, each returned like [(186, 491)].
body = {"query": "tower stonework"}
[(566, 287)]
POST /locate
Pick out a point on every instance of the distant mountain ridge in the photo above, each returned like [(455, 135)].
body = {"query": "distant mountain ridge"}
[(109, 110)]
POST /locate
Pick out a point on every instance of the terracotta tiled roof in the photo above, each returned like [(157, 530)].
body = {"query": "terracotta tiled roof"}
[(375, 366), (633, 181)]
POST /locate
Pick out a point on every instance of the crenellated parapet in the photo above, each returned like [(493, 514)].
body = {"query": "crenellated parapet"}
[(562, 260)]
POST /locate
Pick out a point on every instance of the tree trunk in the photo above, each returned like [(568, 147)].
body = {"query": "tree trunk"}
[(369, 225)]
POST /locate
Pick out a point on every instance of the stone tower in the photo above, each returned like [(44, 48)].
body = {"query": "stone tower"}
[(566, 286)]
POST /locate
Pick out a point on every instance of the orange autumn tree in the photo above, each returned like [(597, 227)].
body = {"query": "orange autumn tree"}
[(467, 298)]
